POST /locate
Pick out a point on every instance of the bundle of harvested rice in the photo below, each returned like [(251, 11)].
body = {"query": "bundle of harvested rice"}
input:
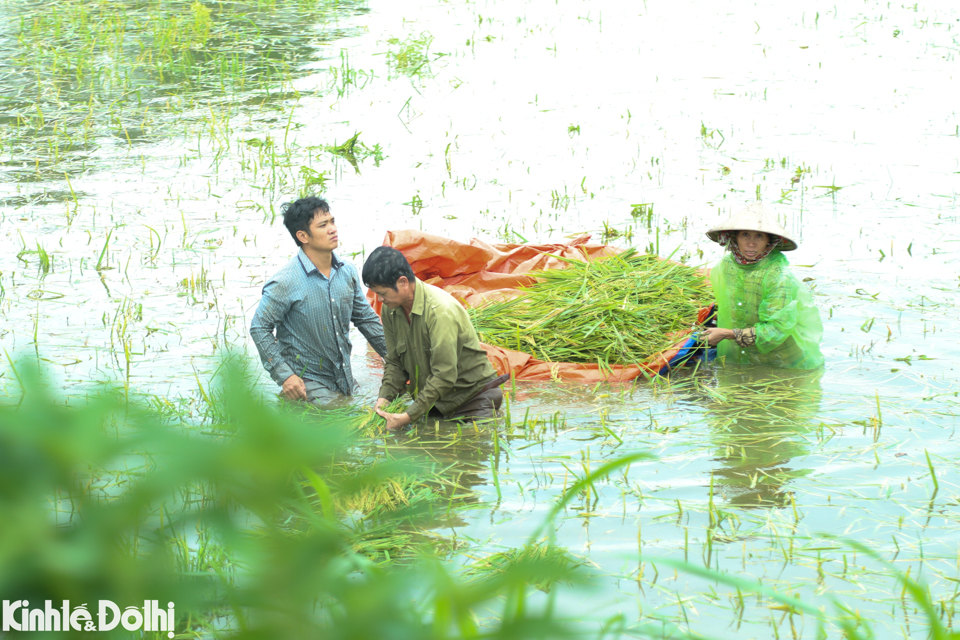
[(371, 424), (617, 310)]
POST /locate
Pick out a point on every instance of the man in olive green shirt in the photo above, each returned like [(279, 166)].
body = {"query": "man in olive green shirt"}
[(430, 343)]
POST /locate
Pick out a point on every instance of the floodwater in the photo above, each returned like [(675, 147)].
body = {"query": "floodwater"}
[(138, 209)]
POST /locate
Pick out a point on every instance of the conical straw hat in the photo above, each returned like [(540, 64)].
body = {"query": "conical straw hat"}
[(754, 218)]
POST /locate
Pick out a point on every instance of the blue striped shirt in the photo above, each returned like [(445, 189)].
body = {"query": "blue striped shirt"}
[(311, 314)]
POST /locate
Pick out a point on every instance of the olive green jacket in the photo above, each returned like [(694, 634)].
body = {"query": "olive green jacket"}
[(437, 351)]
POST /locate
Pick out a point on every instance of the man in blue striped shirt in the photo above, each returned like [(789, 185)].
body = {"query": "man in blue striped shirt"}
[(311, 302)]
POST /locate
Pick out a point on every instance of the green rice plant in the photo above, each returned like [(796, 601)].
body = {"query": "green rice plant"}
[(381, 505), (195, 286), (610, 232), (643, 212), (354, 151), (380, 489), (849, 622), (103, 259), (410, 57), (44, 259), (83, 71), (313, 181), (345, 76), (617, 310), (559, 200), (415, 204), (202, 24), (933, 474)]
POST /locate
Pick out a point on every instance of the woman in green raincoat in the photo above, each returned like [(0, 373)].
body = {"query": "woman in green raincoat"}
[(764, 314)]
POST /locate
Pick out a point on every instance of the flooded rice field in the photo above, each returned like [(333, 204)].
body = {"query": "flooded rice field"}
[(146, 148)]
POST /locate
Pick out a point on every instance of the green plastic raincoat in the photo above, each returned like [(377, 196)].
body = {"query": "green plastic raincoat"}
[(769, 298)]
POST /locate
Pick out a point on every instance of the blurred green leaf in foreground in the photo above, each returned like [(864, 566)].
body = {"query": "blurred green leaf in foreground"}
[(240, 525)]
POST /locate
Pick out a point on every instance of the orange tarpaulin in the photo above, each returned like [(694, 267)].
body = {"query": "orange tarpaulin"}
[(476, 271)]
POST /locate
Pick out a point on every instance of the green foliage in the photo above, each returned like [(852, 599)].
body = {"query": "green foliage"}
[(313, 181), (87, 71), (354, 151), (275, 524), (202, 24), (244, 522), (643, 212), (44, 259), (409, 57)]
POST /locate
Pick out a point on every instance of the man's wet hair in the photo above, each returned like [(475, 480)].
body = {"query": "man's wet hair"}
[(298, 215), (384, 267)]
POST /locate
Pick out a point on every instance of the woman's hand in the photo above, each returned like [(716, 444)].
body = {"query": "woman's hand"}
[(716, 335)]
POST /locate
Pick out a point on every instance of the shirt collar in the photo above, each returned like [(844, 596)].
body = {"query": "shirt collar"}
[(419, 298), (309, 267)]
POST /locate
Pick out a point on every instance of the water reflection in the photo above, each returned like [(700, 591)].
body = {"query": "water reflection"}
[(83, 83), (759, 420), (455, 459)]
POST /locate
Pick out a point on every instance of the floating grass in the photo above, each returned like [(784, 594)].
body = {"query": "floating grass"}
[(617, 310)]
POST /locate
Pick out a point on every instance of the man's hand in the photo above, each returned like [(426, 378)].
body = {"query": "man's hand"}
[(293, 388), (394, 420), (381, 402), (716, 335)]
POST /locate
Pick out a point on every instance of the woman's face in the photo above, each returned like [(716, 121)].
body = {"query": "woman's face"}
[(752, 243)]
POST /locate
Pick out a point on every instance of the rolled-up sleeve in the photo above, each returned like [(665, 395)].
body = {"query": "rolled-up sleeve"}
[(270, 312)]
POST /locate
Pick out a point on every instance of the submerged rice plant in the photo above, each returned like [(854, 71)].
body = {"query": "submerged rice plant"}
[(546, 563), (410, 57), (83, 76)]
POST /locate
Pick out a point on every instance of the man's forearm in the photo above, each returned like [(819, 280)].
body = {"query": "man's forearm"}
[(269, 315), (420, 407), (369, 325), (374, 335), (368, 322)]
